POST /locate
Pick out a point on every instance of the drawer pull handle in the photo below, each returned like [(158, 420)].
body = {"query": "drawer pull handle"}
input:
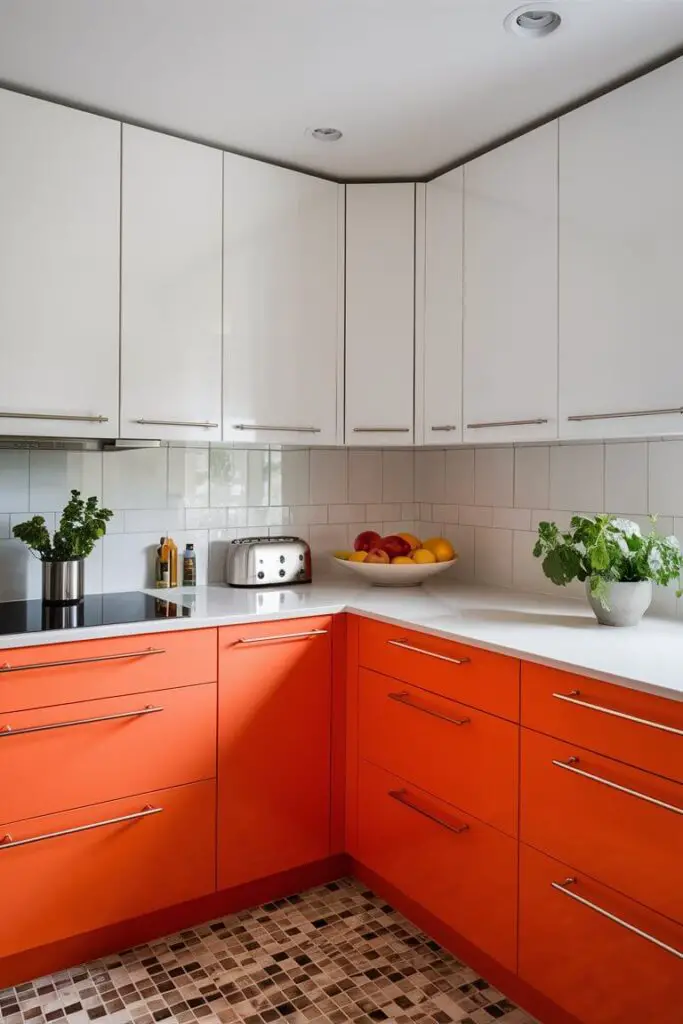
[(571, 698), (280, 636), (205, 424), (404, 698), (430, 654), (569, 767), (446, 428), (507, 423), (563, 888), (381, 430), (293, 430), (68, 418), (7, 843), (7, 730), (82, 661), (400, 796)]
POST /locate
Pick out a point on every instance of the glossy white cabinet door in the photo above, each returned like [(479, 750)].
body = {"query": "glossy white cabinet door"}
[(59, 270), (621, 260), (438, 391), (510, 292), (283, 311), (380, 284), (171, 244)]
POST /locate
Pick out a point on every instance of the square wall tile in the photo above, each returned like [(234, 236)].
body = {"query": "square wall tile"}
[(258, 477), (188, 477), (14, 496), (135, 479), (128, 560), (219, 542), (382, 512), (462, 539), (626, 477), (206, 518), (53, 475), (289, 477), (532, 477), (365, 476), (398, 476), (430, 476), (227, 477), (460, 476), (324, 539), (512, 518), (164, 522), (577, 477), (345, 513), (473, 515), (328, 476), (666, 478), (20, 572), (493, 557), (494, 476)]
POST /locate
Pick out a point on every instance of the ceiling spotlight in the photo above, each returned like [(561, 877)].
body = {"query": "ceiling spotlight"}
[(533, 23), (326, 134)]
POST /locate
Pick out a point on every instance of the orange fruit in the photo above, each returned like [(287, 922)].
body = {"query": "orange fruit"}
[(402, 560), (411, 539), (342, 555), (423, 556), (441, 548), (358, 556)]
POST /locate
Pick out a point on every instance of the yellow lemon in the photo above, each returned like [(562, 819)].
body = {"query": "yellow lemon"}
[(343, 555), (358, 556), (441, 548), (423, 556), (411, 539), (402, 560)]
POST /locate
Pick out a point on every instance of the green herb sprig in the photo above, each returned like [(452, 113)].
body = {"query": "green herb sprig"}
[(82, 524)]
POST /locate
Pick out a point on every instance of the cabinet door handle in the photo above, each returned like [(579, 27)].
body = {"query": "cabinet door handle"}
[(404, 645), (294, 430), (8, 843), (625, 415), (404, 698), (280, 636), (507, 423), (400, 795), (381, 430), (569, 766), (206, 424), (57, 417), (445, 427), (563, 888), (7, 730), (81, 661), (572, 698)]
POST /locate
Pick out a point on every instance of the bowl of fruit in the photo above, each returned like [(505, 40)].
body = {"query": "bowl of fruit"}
[(399, 560)]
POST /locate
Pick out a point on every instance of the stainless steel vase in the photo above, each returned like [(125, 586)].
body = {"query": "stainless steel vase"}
[(64, 582)]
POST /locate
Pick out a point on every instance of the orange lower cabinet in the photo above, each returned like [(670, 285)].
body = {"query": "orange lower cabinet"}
[(459, 869), (65, 874), (599, 955), (274, 728)]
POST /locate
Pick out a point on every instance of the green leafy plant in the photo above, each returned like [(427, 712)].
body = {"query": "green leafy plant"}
[(82, 524), (606, 549)]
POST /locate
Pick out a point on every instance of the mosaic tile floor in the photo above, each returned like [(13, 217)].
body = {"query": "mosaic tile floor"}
[(333, 954)]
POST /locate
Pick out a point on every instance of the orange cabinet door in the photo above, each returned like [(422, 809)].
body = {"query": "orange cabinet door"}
[(459, 754), (631, 726), (602, 957), (34, 677), (462, 871), (466, 674), (74, 872), (274, 726), (622, 826), (86, 753)]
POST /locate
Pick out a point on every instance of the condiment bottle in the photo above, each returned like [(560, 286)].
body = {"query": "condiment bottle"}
[(189, 566)]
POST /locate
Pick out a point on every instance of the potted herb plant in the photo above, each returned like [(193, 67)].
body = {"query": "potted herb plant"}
[(63, 556), (617, 562)]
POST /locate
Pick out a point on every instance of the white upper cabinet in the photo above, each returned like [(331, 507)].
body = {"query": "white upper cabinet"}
[(621, 261), (510, 291), (380, 283), (59, 270), (282, 305), (438, 362), (170, 288)]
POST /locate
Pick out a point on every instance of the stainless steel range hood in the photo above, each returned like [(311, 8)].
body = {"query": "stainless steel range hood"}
[(75, 444)]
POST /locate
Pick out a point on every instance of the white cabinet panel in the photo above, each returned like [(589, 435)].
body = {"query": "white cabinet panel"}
[(510, 292), (621, 260), (439, 392), (171, 241), (283, 309), (380, 283), (59, 270)]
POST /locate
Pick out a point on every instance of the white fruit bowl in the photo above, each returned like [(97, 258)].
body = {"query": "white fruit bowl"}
[(380, 575)]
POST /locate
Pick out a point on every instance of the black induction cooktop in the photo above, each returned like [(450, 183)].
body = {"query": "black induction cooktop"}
[(93, 610)]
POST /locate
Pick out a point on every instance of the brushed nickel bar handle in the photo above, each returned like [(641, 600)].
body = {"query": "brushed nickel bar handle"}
[(400, 796), (280, 636), (7, 730), (177, 423), (445, 427), (49, 416), (294, 430), (571, 698), (625, 415), (562, 887), (404, 698), (7, 843), (507, 423), (81, 661), (569, 767), (430, 654), (381, 430)]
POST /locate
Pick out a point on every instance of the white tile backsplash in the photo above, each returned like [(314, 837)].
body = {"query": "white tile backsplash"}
[(532, 477), (493, 556), (666, 478), (135, 479), (328, 476), (398, 476), (14, 481), (577, 477), (365, 477), (494, 476), (430, 475), (53, 475), (459, 476), (188, 477), (228, 477), (626, 477)]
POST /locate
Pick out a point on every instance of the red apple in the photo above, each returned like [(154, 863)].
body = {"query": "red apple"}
[(366, 540), (395, 546), (378, 556)]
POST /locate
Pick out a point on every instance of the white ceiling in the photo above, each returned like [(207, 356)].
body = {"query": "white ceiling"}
[(413, 84)]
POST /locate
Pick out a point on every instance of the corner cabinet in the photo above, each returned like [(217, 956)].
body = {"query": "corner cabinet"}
[(283, 328), (170, 288), (59, 270)]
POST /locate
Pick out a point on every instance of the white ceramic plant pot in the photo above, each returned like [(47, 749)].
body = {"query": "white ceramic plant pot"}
[(627, 603)]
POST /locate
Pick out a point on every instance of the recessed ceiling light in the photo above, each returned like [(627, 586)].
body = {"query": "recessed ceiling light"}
[(534, 23), (326, 134)]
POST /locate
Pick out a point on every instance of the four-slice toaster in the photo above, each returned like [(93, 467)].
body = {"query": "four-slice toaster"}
[(267, 561)]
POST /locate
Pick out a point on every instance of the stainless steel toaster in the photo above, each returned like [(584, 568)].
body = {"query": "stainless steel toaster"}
[(267, 562)]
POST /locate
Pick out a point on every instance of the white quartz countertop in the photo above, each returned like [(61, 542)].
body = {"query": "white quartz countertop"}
[(554, 631)]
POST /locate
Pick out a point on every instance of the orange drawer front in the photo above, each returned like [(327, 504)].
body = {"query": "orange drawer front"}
[(459, 754), (466, 674), (598, 969), (34, 677), (71, 879), (80, 754), (634, 727), (459, 869), (621, 825)]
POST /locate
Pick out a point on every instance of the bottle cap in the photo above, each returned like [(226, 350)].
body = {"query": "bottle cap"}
[(190, 547)]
